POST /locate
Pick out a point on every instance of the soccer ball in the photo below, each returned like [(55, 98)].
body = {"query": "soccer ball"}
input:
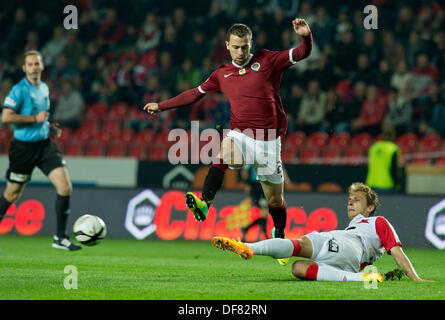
[(89, 230)]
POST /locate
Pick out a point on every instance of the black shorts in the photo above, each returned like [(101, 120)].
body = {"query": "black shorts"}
[(25, 156)]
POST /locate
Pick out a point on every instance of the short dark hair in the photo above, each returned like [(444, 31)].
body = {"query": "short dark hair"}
[(240, 30)]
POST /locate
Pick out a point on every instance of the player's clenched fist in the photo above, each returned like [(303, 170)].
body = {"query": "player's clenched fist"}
[(300, 27), (152, 108)]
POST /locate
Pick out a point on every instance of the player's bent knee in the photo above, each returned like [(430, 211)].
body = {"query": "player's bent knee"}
[(276, 201), (65, 189)]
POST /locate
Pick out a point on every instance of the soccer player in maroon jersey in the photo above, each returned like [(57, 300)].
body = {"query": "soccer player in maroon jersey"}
[(251, 83)]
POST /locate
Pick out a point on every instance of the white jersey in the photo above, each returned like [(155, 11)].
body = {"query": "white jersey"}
[(376, 235)]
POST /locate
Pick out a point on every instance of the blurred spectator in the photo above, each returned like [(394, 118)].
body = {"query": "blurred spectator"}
[(292, 102), (371, 114), (323, 28), (149, 34), (280, 23), (73, 50), (166, 72), (15, 39), (363, 72), (415, 47), (111, 31), (383, 76), (125, 82), (423, 75), (88, 25), (69, 108), (337, 114), (343, 24), (345, 54), (32, 41), (401, 78), (169, 43), (61, 71), (371, 48), (84, 79), (393, 51), (54, 47), (5, 87), (404, 25), (433, 104), (198, 48), (438, 57), (312, 109), (358, 99), (153, 89), (399, 113), (187, 73)]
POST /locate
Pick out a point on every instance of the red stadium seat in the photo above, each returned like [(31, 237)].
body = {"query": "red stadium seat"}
[(97, 110), (112, 125), (362, 141), (440, 161), (116, 150), (126, 136), (317, 140), (339, 140), (82, 135), (91, 124), (137, 151), (103, 137), (5, 134), (354, 157), (74, 149), (146, 137), (157, 154), (408, 142), (119, 110), (288, 155), (66, 136), (294, 140), (308, 156), (430, 143), (95, 150), (331, 156)]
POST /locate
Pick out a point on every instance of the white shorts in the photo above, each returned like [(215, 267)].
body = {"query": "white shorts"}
[(337, 249), (263, 155)]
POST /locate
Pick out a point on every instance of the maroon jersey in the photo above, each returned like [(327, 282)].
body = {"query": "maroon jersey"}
[(252, 89)]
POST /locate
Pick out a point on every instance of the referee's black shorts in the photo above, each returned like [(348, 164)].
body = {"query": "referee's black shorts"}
[(25, 156)]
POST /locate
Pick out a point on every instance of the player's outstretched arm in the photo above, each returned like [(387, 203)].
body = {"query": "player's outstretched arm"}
[(184, 99), (404, 263)]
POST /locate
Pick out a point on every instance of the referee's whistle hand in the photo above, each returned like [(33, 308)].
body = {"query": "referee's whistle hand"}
[(42, 116), (152, 108)]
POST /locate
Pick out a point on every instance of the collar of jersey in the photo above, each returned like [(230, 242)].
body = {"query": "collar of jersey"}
[(245, 63)]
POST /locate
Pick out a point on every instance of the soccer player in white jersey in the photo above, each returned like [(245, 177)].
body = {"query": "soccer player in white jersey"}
[(337, 255)]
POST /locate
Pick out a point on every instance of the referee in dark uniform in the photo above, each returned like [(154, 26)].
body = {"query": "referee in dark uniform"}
[(27, 108)]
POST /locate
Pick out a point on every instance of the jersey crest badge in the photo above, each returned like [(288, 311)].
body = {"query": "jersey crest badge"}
[(255, 66), (242, 71)]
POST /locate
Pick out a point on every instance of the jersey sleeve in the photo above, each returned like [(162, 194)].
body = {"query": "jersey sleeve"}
[(14, 99), (211, 85), (387, 235), (285, 59)]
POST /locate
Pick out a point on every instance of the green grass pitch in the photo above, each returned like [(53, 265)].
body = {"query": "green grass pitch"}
[(123, 269)]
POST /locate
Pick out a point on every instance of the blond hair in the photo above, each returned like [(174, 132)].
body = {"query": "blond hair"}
[(31, 53), (372, 199)]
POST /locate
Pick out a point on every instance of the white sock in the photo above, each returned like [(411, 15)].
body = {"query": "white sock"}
[(275, 248), (328, 273)]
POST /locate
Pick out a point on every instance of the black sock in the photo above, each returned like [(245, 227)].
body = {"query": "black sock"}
[(62, 211), (212, 184), (279, 217), (4, 205)]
